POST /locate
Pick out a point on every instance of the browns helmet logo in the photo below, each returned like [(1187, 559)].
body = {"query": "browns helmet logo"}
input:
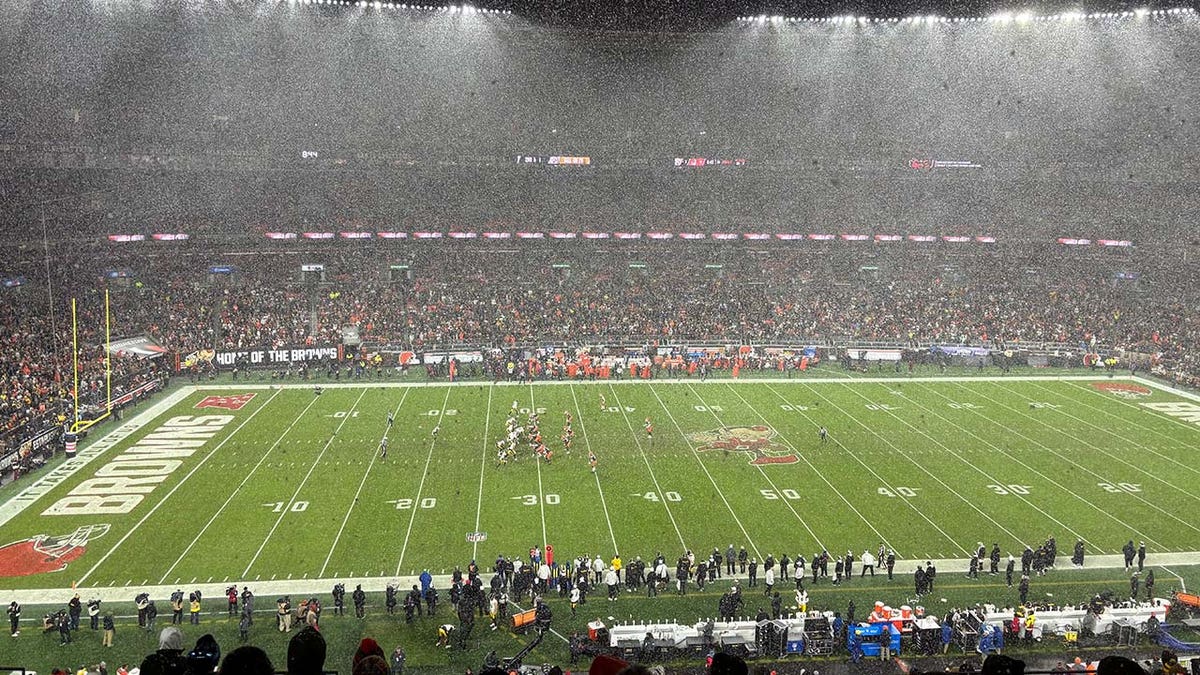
[(47, 553), (1126, 390), (226, 402), (755, 441)]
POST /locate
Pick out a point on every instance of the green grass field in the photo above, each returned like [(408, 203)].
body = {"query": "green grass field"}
[(292, 487), (288, 492)]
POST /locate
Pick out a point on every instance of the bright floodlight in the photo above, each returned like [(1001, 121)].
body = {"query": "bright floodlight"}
[(1023, 17)]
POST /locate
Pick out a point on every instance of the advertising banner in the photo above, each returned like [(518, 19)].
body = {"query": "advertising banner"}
[(265, 356)]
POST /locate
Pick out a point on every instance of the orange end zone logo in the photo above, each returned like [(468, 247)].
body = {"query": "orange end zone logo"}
[(755, 441), (1126, 390), (225, 402), (46, 553)]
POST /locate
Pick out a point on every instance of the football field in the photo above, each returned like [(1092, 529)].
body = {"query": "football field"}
[(255, 483)]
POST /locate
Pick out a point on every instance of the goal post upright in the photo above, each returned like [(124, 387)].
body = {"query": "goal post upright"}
[(78, 425)]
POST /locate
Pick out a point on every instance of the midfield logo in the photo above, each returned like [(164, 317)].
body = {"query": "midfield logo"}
[(1125, 390), (46, 553), (755, 441), (225, 402)]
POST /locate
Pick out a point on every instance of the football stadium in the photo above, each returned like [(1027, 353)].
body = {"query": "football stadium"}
[(375, 337)]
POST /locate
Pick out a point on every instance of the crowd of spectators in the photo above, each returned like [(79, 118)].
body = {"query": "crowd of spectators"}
[(578, 294)]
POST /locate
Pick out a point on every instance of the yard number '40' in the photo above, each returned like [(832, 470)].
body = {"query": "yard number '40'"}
[(669, 495)]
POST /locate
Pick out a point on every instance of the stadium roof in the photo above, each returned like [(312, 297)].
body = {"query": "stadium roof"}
[(691, 14)]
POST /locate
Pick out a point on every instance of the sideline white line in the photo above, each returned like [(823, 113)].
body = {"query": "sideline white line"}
[(1155, 384), (1182, 583), (704, 468), (236, 490), (417, 502), (588, 444), (646, 459), (361, 483), (88, 451), (176, 487), (487, 421), (832, 379), (303, 481), (1093, 393), (377, 584)]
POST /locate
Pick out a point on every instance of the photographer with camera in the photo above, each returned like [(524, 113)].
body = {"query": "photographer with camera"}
[(93, 606), (177, 607), (141, 601)]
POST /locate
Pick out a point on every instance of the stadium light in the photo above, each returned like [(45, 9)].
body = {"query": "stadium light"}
[(1022, 17)]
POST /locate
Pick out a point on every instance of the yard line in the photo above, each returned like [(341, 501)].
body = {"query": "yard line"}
[(706, 472), (588, 444), (538, 461), (969, 464), (907, 502), (1175, 420), (1135, 467), (1016, 459), (1147, 502), (915, 463), (177, 486), (235, 492), (1182, 583), (772, 483), (1135, 423), (300, 487), (421, 486), (645, 459), (487, 421), (357, 492)]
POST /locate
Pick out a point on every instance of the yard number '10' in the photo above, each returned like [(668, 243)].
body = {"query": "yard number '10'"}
[(297, 507)]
